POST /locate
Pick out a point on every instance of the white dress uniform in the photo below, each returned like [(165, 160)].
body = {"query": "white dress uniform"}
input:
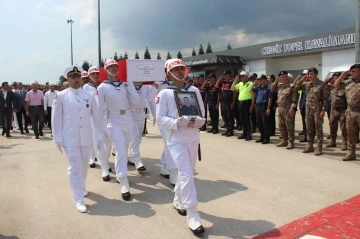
[(116, 97), (146, 93), (182, 142), (101, 154), (72, 109)]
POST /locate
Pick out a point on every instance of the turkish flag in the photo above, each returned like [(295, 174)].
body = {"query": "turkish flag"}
[(187, 71)]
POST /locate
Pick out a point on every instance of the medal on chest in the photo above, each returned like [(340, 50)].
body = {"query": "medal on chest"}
[(87, 102)]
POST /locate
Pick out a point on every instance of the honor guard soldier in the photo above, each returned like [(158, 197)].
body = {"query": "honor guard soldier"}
[(337, 114), (72, 109), (316, 106), (262, 99), (85, 78), (147, 93), (287, 101), (352, 91), (101, 154), (244, 86), (182, 139), (213, 99), (116, 96), (224, 84)]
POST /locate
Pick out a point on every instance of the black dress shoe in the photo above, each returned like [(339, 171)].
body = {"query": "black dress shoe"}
[(223, 127), (22, 132), (106, 178), (301, 133), (41, 134), (165, 175), (181, 212), (92, 165), (210, 130), (172, 185), (27, 131), (215, 131), (198, 230), (266, 141), (131, 163), (95, 159), (110, 170), (141, 169), (8, 136), (37, 137), (3, 133), (242, 137), (230, 134), (11, 128), (304, 140), (259, 141), (126, 196), (203, 128), (113, 154), (248, 138)]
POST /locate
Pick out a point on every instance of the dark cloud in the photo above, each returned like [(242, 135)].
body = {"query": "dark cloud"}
[(182, 24)]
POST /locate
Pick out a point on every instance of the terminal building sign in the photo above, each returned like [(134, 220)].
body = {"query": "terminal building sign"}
[(325, 42)]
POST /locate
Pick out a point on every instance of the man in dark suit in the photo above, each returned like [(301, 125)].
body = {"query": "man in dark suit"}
[(8, 105), (20, 94)]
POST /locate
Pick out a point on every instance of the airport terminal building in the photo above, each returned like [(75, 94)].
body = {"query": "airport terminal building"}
[(323, 51)]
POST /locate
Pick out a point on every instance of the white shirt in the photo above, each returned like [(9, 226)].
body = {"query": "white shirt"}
[(147, 93), (71, 124), (167, 113), (49, 98), (5, 95)]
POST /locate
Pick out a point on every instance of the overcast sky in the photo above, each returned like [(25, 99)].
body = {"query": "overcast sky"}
[(35, 38)]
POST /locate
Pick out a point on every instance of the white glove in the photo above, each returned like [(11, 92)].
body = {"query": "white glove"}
[(182, 122), (59, 146), (99, 144), (199, 122)]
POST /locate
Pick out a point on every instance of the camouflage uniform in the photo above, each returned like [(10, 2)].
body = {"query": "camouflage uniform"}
[(316, 101), (337, 115), (287, 97), (352, 116)]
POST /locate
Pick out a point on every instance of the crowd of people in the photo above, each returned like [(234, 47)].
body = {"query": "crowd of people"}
[(90, 119)]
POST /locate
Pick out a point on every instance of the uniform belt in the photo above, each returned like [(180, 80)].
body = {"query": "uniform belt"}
[(36, 106), (137, 110), (357, 109), (118, 112)]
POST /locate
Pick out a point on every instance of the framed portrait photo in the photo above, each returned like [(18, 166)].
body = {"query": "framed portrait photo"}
[(187, 104)]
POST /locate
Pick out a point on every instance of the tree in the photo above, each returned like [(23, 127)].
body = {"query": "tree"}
[(102, 62), (85, 66), (201, 50), (208, 48), (193, 52), (158, 56), (126, 55), (147, 54), (168, 56), (137, 55), (179, 55), (229, 46), (116, 57), (62, 79)]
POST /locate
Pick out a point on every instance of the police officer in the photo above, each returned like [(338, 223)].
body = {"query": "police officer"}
[(352, 90), (147, 93), (244, 87), (337, 114), (287, 101), (213, 99), (116, 97), (101, 154), (316, 106), (72, 109), (262, 100), (224, 84), (182, 139)]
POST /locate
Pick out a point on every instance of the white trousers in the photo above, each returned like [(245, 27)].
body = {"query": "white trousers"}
[(121, 139), (134, 150), (78, 158), (185, 156), (167, 161)]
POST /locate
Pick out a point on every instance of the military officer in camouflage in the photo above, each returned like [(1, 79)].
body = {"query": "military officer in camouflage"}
[(287, 101), (352, 91), (337, 114), (316, 106)]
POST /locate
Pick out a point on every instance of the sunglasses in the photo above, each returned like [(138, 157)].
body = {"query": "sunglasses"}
[(95, 73), (74, 75)]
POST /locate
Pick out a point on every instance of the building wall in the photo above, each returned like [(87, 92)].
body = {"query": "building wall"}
[(331, 59), (256, 66)]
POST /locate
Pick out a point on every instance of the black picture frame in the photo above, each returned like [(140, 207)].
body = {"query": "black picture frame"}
[(193, 110)]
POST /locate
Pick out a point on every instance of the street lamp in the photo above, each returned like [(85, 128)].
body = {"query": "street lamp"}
[(99, 38), (71, 22)]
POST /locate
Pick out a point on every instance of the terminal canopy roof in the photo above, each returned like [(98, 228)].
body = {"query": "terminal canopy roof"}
[(212, 59)]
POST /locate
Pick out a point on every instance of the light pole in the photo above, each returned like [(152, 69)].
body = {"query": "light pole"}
[(71, 22), (99, 36)]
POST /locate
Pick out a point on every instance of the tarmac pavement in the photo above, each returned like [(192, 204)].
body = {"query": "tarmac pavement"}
[(244, 189)]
